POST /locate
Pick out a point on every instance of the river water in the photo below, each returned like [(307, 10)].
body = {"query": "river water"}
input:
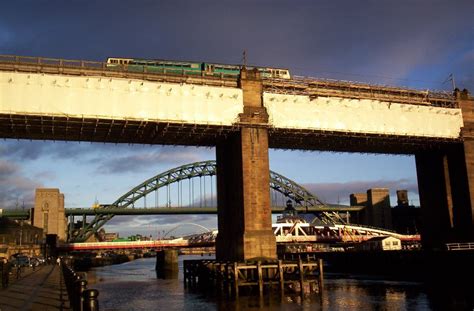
[(134, 286)]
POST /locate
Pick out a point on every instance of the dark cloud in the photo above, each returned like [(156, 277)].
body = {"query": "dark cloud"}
[(144, 160), (16, 190), (464, 73), (20, 150), (379, 41), (340, 192), (109, 158), (7, 169), (32, 150)]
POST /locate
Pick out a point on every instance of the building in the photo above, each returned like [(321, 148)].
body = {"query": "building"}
[(381, 243), (110, 236), (377, 211), (49, 213), (406, 218), (17, 236)]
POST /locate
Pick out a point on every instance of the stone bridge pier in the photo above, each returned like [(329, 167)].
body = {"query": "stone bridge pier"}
[(446, 185), (243, 195)]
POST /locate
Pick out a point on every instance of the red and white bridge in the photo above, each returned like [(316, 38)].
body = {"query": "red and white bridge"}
[(285, 232)]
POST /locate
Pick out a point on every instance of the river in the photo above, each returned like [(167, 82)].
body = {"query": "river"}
[(134, 286)]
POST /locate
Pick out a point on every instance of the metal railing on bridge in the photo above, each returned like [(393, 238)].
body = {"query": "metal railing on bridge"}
[(314, 87), (84, 68), (297, 85), (460, 246)]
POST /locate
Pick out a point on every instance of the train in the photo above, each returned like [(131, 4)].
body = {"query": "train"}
[(191, 68)]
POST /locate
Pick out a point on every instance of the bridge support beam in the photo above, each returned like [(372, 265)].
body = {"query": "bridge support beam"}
[(243, 195), (463, 166), (446, 186), (435, 198)]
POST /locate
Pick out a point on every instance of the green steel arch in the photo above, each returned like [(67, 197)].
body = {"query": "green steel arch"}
[(298, 194)]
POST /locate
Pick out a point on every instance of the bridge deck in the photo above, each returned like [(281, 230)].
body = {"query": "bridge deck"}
[(332, 131)]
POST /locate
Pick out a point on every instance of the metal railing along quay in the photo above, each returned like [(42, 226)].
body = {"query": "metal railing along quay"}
[(81, 298)]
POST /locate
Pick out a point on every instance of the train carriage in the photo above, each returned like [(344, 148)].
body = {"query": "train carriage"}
[(211, 69), (279, 73), (155, 66), (190, 68)]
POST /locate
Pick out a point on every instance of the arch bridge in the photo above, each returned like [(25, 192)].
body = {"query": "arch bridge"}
[(280, 184)]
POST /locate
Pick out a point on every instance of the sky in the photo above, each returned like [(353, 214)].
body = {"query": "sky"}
[(415, 43)]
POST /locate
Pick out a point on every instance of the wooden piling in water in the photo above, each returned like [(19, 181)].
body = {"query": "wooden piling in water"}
[(230, 277)]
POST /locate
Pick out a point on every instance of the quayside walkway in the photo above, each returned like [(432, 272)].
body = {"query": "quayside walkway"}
[(42, 289)]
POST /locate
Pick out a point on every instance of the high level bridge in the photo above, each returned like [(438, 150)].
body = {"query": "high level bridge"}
[(243, 116)]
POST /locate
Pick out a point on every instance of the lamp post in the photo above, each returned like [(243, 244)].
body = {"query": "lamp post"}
[(21, 235)]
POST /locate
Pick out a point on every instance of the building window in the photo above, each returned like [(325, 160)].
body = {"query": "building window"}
[(45, 222), (395, 243)]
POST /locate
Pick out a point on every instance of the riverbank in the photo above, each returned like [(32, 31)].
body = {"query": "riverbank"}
[(84, 263), (39, 289)]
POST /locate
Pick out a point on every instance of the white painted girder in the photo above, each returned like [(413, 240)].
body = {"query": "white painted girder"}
[(115, 98), (126, 99), (362, 116)]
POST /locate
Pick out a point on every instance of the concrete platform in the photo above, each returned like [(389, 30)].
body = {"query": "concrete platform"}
[(42, 289)]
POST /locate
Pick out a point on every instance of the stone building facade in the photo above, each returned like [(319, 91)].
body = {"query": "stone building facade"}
[(17, 236), (377, 210), (49, 213)]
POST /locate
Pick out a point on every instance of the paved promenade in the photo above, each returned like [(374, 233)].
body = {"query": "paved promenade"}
[(42, 289)]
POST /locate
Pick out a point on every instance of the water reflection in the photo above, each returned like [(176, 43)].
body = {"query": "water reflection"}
[(167, 274), (135, 286)]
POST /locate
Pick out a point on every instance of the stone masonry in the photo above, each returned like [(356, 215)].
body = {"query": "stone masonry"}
[(49, 212), (244, 216)]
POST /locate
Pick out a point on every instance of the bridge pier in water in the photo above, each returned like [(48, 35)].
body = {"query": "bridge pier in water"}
[(243, 195), (446, 186), (167, 263)]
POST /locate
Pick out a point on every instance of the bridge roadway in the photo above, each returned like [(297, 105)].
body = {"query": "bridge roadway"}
[(25, 214)]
